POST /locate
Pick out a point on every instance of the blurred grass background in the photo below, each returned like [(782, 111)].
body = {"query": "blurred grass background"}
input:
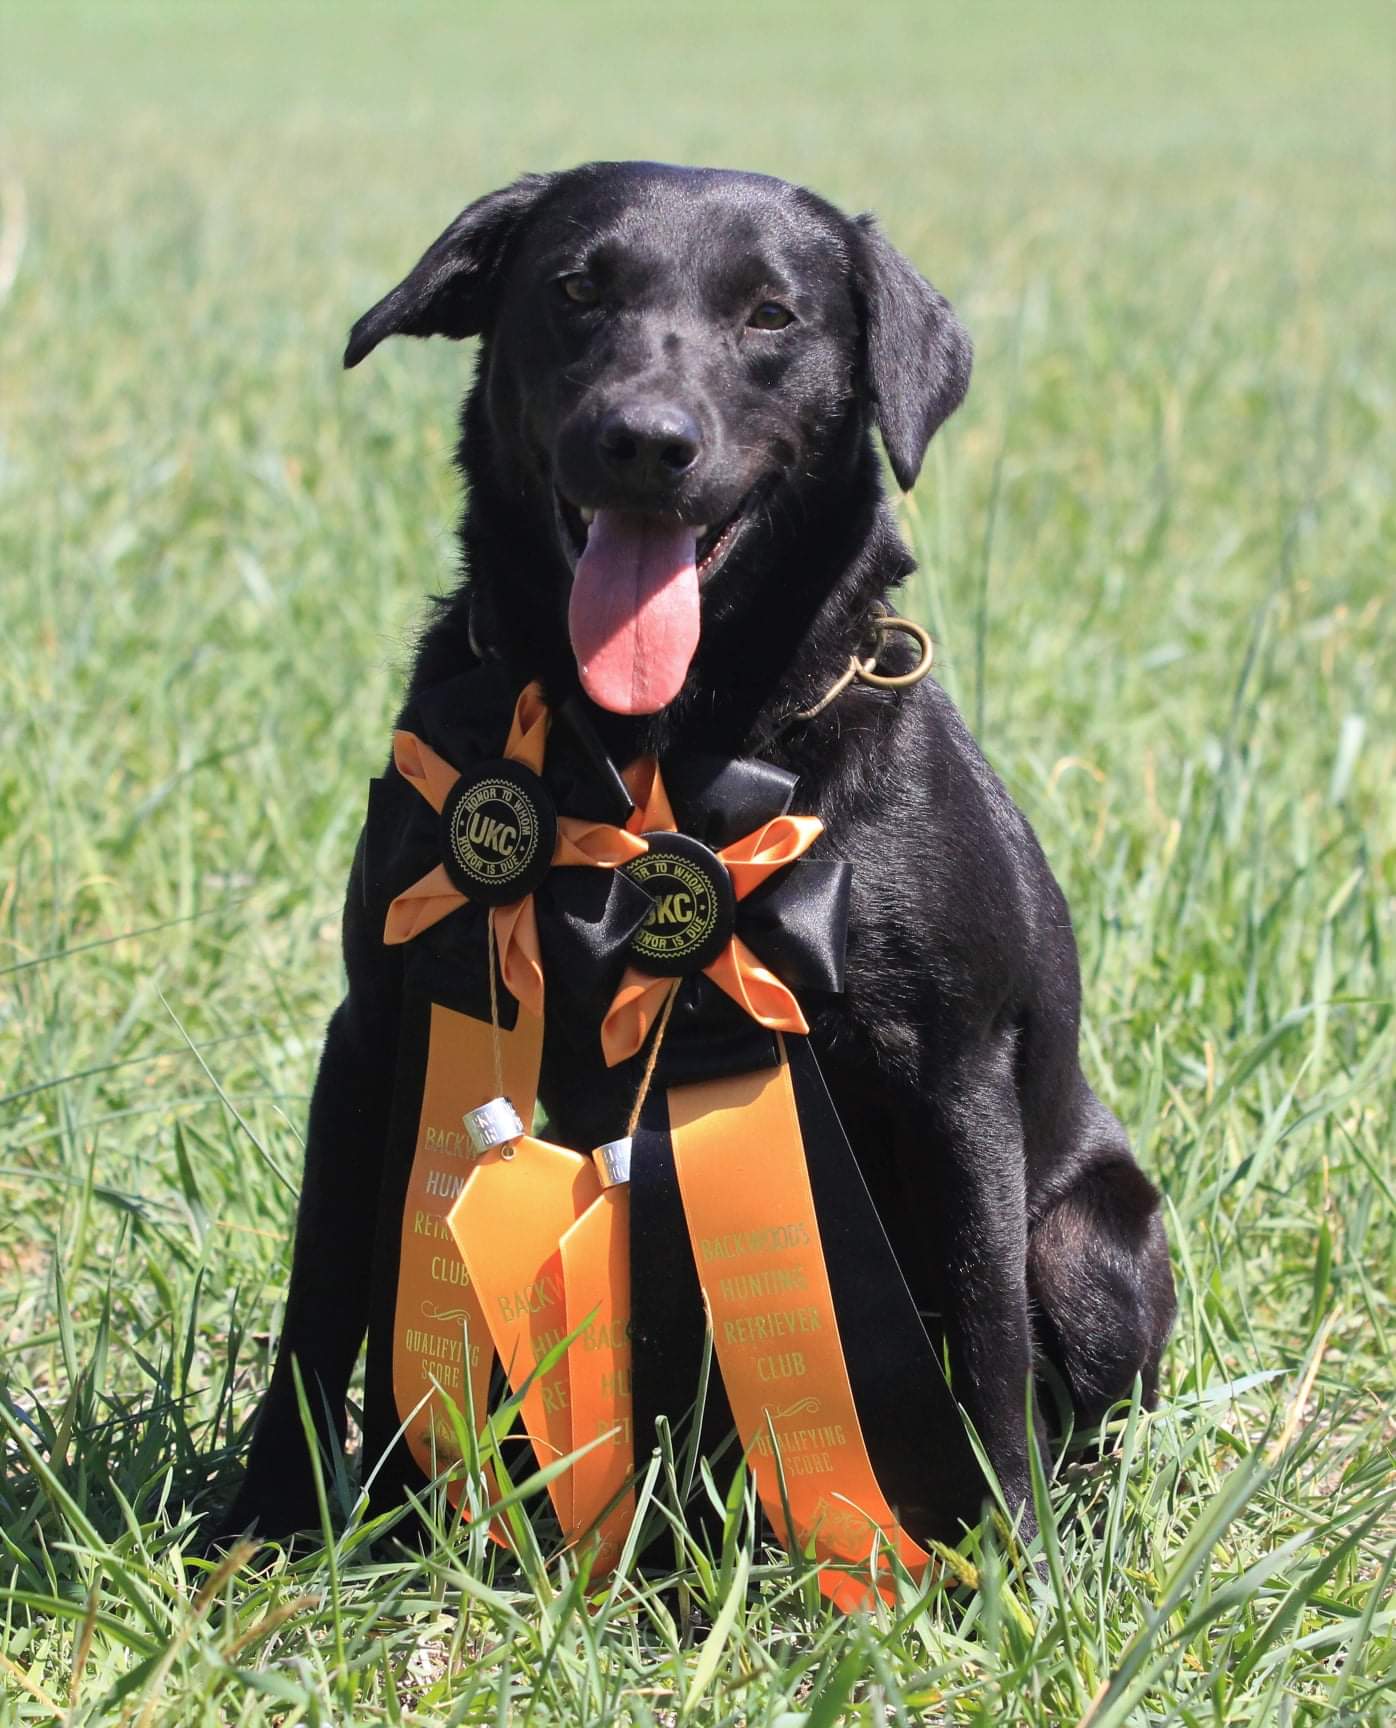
[(1157, 551)]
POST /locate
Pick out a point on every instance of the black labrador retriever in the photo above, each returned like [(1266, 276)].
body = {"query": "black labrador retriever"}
[(676, 505)]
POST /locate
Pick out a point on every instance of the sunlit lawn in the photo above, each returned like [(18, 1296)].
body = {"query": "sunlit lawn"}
[(1157, 552)]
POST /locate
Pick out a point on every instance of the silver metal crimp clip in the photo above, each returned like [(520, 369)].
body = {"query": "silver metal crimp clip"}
[(494, 1123), (613, 1162)]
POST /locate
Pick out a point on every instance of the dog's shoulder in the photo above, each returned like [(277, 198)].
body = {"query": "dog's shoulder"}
[(945, 866)]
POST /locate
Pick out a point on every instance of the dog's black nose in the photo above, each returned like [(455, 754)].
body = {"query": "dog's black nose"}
[(649, 443)]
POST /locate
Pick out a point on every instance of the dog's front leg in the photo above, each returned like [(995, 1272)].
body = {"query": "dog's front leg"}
[(959, 1151), (328, 1298)]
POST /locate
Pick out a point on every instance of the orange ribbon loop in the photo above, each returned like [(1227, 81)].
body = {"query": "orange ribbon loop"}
[(645, 785), (520, 960), (756, 988), (760, 854), (425, 903), (423, 769), (635, 1008), (528, 731), (580, 842)]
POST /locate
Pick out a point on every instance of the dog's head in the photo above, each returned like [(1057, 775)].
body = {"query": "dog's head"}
[(672, 357)]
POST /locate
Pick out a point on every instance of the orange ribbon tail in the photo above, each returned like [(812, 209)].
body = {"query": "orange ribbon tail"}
[(739, 1158)]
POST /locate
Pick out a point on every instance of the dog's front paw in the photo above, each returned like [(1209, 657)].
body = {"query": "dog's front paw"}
[(260, 1511)]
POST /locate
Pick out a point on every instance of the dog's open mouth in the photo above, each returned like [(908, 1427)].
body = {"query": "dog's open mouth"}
[(574, 525), (634, 610)]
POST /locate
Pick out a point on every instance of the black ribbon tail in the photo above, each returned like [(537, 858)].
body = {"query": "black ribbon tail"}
[(916, 1440), (709, 1036), (668, 1328)]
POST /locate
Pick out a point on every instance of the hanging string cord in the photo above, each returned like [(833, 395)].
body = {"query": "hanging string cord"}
[(862, 668), (495, 1040), (652, 1061)]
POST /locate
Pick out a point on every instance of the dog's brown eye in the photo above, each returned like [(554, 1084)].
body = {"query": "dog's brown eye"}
[(770, 315), (580, 288)]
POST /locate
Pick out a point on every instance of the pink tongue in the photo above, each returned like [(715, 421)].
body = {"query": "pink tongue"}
[(633, 616)]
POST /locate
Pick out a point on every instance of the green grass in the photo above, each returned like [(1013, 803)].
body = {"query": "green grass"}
[(1157, 550)]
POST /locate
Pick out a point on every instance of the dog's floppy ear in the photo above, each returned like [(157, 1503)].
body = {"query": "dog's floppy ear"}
[(447, 293), (917, 353)]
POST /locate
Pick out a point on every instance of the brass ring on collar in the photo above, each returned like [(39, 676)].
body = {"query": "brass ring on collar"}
[(864, 671)]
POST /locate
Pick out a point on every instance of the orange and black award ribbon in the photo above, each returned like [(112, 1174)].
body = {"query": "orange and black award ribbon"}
[(746, 1207), (492, 845)]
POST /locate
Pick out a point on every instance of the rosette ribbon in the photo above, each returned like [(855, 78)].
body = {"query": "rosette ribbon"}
[(493, 842), (746, 1209), (800, 915)]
